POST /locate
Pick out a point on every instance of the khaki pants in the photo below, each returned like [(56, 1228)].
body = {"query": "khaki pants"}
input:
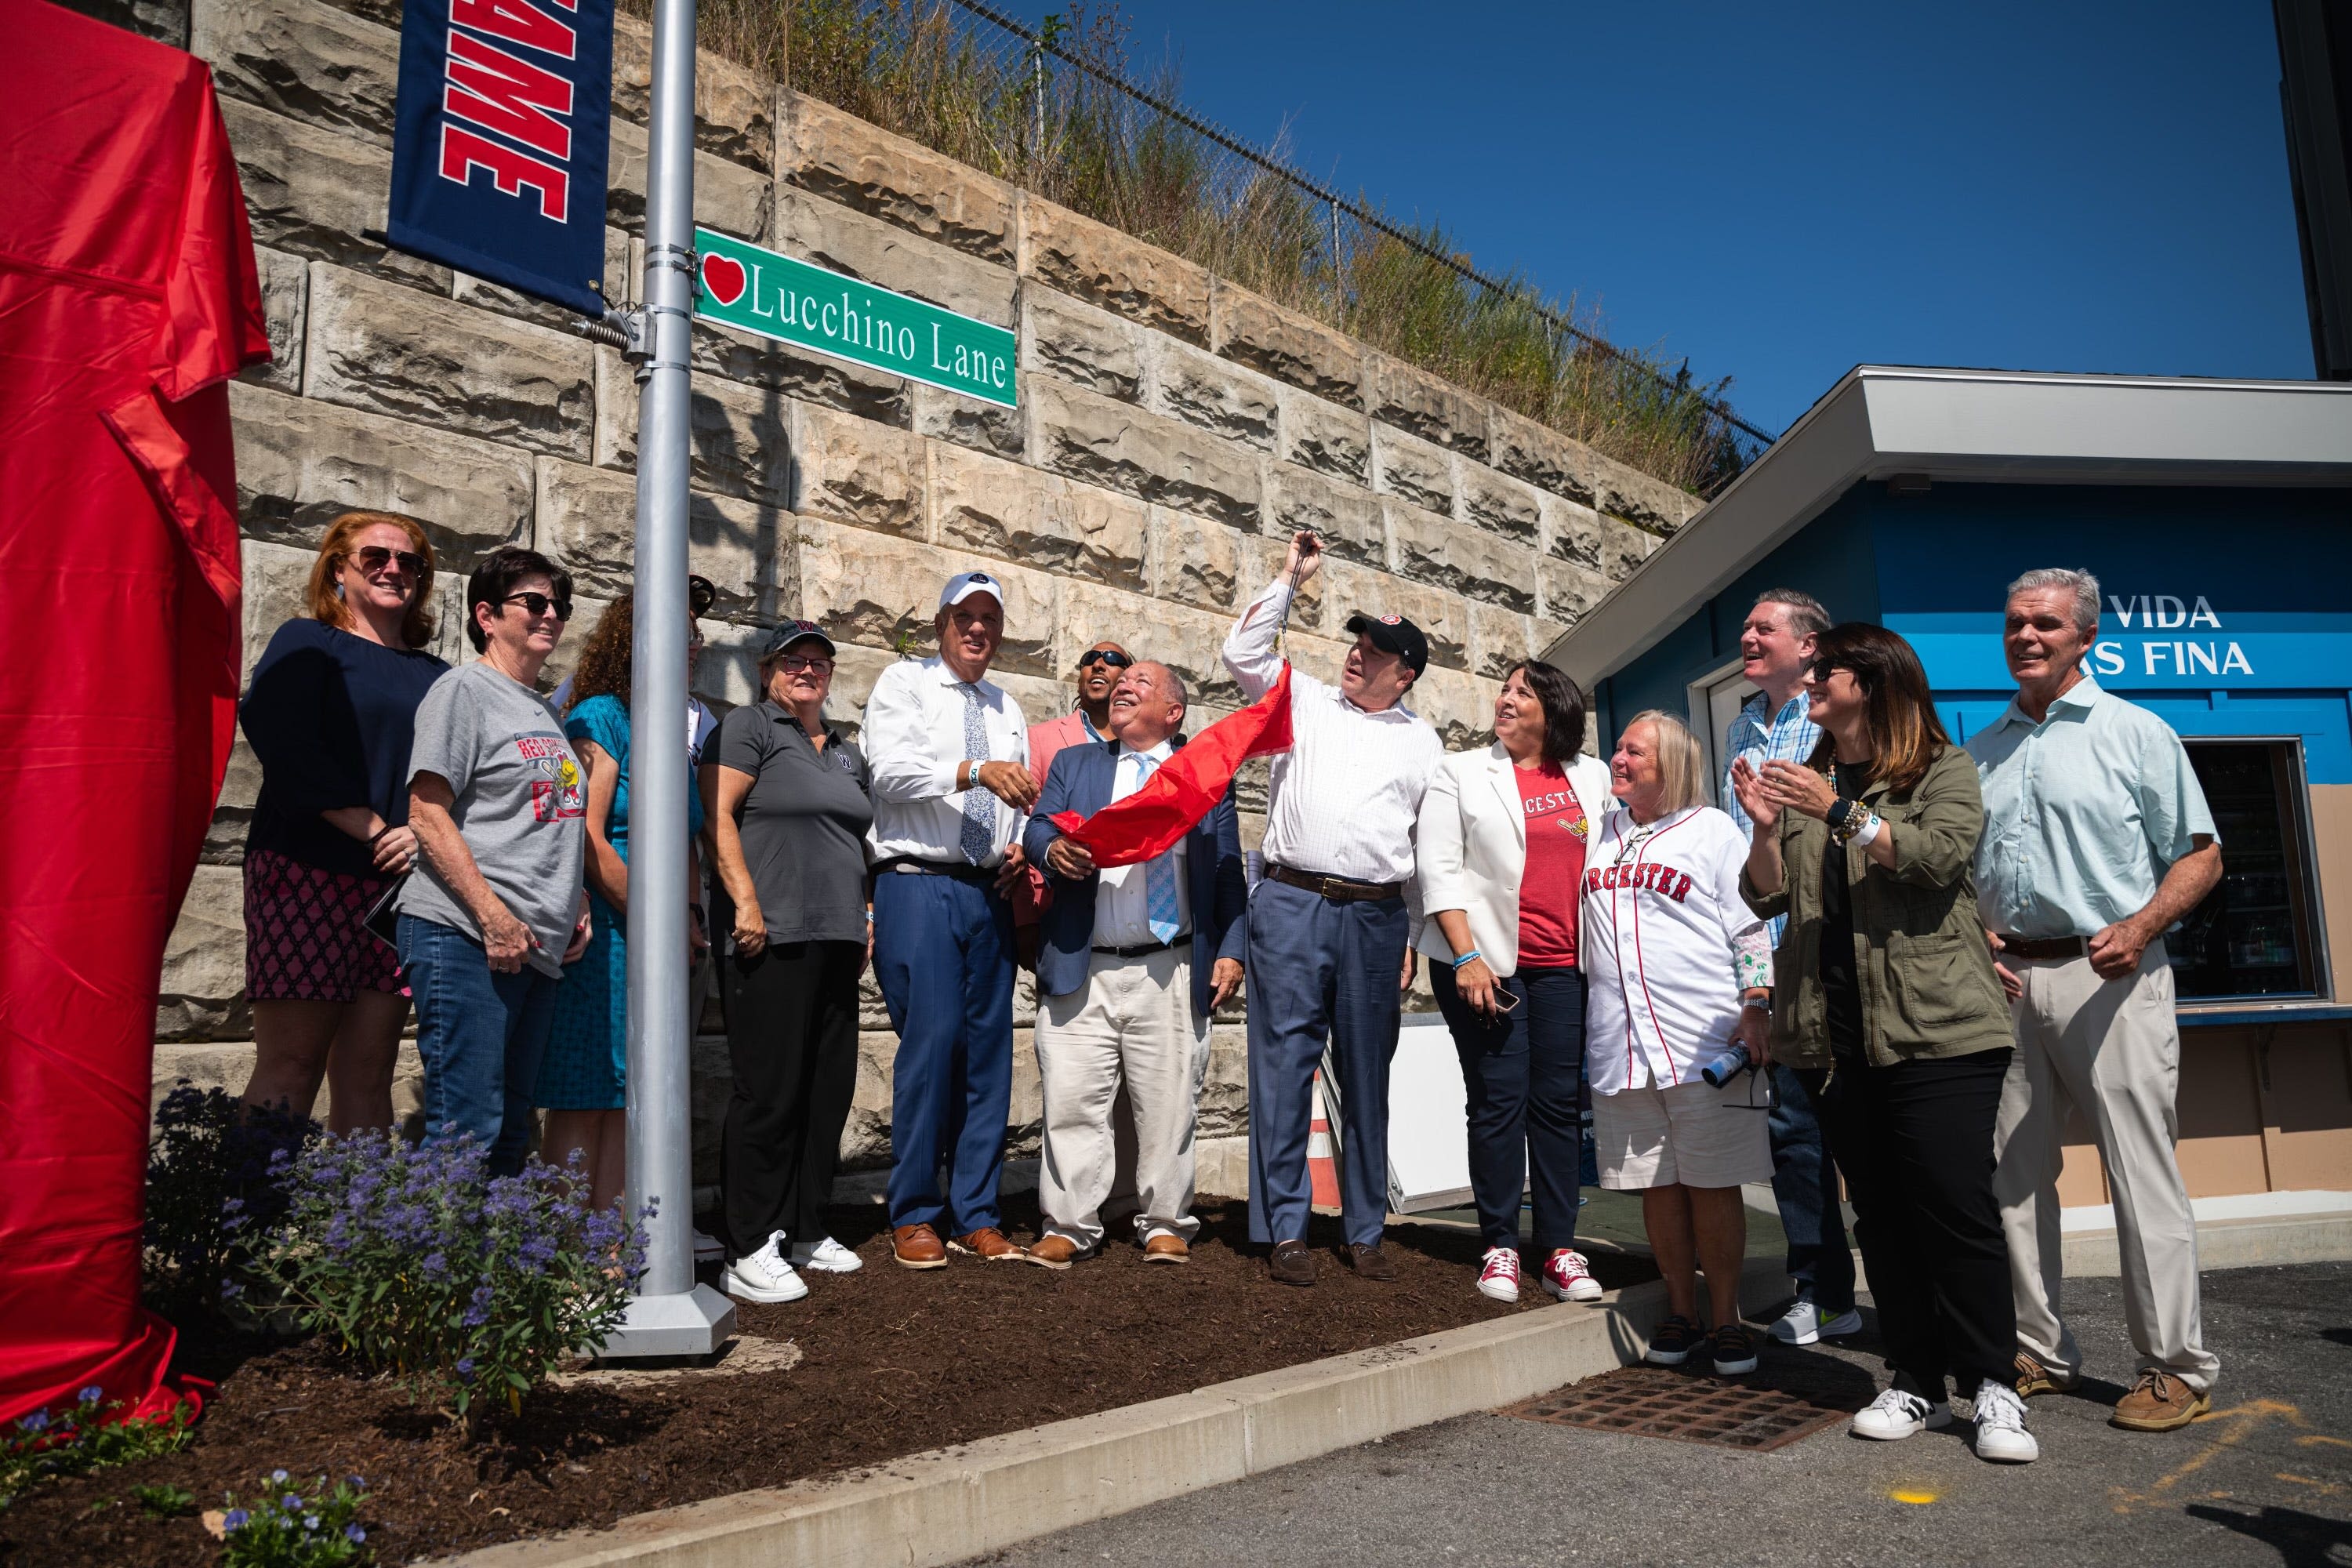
[(1131, 1024), (2112, 1048)]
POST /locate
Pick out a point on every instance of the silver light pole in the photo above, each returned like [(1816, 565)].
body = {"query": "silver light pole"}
[(672, 1315)]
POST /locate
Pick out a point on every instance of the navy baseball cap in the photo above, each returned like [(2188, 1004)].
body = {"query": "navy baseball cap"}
[(790, 632), (1393, 634)]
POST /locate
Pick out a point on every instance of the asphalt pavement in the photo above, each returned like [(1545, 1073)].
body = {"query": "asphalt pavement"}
[(2267, 1479)]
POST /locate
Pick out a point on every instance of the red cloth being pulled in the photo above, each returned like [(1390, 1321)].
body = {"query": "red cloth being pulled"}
[(128, 295), (1186, 787)]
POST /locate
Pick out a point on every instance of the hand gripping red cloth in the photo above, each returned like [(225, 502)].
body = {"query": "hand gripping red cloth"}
[(128, 295), (1186, 787)]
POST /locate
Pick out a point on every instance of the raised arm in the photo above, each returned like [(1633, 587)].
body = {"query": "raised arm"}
[(1250, 652)]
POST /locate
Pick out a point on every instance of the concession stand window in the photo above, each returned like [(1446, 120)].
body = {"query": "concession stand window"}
[(2257, 933)]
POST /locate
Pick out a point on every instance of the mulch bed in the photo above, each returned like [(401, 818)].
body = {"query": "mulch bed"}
[(893, 1362)]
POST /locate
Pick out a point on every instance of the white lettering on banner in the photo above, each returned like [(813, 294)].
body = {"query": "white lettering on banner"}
[(2182, 660)]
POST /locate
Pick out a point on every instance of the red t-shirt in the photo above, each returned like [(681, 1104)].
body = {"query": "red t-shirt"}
[(1549, 884)]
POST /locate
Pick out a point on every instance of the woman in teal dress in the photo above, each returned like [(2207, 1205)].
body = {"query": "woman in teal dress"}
[(583, 1078)]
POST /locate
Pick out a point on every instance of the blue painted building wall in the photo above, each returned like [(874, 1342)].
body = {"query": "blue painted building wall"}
[(2227, 611)]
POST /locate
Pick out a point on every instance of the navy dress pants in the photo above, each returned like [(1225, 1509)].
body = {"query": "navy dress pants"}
[(1319, 969), (1522, 1074), (944, 957), (1804, 1189)]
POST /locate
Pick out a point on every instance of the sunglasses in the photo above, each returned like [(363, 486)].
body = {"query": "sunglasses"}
[(536, 605), (373, 558), (1110, 656), (793, 663)]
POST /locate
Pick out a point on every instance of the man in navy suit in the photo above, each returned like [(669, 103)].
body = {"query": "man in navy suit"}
[(1132, 963)]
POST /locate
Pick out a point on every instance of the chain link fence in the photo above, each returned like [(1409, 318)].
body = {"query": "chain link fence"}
[(1056, 110)]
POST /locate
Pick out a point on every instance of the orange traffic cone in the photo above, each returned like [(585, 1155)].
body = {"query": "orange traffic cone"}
[(1322, 1171)]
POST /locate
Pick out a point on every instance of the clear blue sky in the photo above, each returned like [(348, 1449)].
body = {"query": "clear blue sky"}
[(1781, 191)]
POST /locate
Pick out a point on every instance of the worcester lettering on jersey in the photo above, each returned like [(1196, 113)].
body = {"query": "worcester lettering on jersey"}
[(1645, 876)]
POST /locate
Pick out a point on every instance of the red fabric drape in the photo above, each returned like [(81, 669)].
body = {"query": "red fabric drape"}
[(128, 295), (1186, 787)]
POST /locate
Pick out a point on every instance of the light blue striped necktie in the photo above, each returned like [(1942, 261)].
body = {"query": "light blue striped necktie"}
[(1159, 873), (979, 806)]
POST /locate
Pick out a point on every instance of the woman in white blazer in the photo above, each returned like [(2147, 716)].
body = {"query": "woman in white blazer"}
[(1499, 855)]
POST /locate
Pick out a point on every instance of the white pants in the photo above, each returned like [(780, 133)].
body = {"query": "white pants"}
[(2112, 1047), (1131, 1022)]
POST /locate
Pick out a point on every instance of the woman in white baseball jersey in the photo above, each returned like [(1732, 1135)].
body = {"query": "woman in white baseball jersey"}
[(1679, 978)]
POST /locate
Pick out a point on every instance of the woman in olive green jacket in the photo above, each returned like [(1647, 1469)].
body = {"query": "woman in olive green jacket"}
[(1888, 1007)]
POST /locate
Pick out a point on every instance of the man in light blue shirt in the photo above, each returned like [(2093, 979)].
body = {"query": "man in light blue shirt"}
[(1776, 652), (2096, 841)]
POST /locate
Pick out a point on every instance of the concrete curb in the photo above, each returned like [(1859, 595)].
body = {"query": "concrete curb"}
[(930, 1510)]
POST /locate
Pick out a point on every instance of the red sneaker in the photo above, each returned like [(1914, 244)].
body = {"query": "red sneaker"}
[(1566, 1275), (1498, 1278)]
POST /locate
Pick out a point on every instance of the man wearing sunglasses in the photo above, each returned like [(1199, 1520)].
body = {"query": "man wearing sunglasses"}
[(1099, 669)]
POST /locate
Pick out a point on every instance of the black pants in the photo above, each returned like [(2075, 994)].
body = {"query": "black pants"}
[(1914, 1141), (1522, 1072), (791, 1039)]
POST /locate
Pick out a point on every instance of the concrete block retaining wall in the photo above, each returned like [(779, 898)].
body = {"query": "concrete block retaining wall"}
[(1174, 429)]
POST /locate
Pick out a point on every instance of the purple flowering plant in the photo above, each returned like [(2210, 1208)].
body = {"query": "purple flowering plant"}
[(212, 1191), (295, 1526), (468, 1288), (91, 1433)]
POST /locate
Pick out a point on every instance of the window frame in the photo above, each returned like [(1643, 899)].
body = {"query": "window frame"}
[(2308, 898)]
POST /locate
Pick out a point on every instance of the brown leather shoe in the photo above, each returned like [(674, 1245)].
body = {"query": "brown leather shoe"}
[(1291, 1264), (2033, 1378), (1371, 1262), (988, 1243), (1165, 1247), (1054, 1252), (2160, 1401), (918, 1246)]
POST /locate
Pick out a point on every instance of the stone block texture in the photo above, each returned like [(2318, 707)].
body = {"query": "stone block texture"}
[(1174, 429)]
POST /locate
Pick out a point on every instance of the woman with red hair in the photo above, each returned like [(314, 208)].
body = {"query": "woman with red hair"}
[(329, 712)]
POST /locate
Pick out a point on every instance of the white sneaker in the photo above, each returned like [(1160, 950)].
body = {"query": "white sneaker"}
[(1804, 1323), (828, 1257), (1895, 1415), (1498, 1277), (708, 1248), (764, 1275), (2002, 1436), (1567, 1276)]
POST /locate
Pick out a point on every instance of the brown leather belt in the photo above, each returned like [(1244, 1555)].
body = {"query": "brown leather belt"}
[(2045, 946), (1338, 890)]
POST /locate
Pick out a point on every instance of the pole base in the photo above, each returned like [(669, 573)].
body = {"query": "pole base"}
[(692, 1323)]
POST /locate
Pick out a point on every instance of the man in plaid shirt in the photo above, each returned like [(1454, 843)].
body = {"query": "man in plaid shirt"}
[(1776, 652)]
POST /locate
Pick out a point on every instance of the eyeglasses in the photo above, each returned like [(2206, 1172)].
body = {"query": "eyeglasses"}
[(793, 663), (1110, 656), (536, 605), (373, 558)]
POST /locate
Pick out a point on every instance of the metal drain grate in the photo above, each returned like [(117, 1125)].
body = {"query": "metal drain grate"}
[(1657, 1402)]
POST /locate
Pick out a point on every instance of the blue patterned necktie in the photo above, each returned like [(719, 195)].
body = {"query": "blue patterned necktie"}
[(1159, 873), (979, 806)]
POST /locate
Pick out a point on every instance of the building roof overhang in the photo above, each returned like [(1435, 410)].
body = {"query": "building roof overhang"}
[(1976, 426)]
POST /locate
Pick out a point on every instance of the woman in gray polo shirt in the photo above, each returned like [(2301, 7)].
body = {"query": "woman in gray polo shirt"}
[(789, 801)]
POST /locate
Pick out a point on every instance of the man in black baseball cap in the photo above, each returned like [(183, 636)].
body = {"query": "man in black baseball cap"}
[(1391, 635)]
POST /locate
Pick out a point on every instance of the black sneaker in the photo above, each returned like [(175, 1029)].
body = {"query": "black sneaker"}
[(1734, 1349), (1672, 1341)]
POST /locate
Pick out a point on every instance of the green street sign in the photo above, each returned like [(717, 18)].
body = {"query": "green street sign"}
[(754, 289)]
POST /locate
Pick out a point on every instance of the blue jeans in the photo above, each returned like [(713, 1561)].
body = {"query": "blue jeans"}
[(1521, 1073), (944, 957), (1320, 970), (481, 1035), (1805, 1187)]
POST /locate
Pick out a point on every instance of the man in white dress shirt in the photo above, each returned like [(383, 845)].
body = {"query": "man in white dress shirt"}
[(1329, 926), (950, 753), (1135, 961)]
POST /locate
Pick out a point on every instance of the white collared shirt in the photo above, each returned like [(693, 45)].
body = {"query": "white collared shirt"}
[(1346, 794), (1122, 901), (913, 740)]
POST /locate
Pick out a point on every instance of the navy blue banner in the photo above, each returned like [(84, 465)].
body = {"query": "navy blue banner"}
[(498, 158)]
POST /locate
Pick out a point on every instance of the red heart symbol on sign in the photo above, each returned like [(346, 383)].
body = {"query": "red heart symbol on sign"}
[(723, 276)]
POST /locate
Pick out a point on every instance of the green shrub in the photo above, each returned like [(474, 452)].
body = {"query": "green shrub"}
[(287, 1527), (88, 1435), (212, 1190)]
